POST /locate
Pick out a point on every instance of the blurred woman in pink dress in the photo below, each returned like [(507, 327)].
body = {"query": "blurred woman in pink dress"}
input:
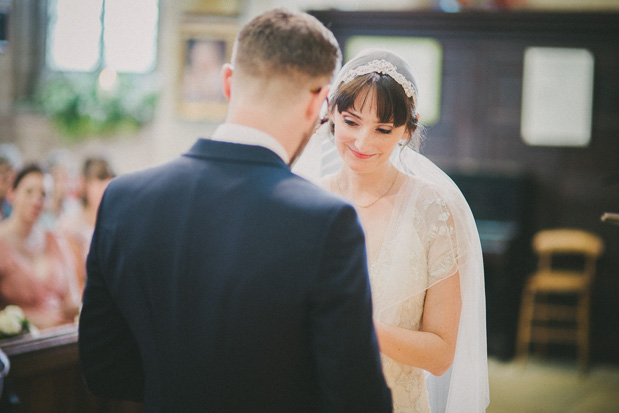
[(36, 272)]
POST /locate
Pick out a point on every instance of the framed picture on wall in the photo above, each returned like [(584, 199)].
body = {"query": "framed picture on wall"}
[(219, 7), (557, 96), (205, 47)]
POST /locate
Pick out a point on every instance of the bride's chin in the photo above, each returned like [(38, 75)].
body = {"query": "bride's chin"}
[(358, 166)]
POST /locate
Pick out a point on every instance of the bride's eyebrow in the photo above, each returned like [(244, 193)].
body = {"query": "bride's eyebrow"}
[(354, 115)]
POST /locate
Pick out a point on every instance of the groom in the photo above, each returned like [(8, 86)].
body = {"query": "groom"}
[(222, 282)]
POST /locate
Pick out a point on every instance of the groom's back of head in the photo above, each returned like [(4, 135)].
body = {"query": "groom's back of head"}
[(286, 47)]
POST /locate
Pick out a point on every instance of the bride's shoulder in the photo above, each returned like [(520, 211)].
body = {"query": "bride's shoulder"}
[(420, 184), (423, 192)]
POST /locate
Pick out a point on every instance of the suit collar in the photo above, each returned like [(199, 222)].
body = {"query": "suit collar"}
[(235, 133), (209, 149)]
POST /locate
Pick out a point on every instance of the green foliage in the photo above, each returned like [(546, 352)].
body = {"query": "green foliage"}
[(79, 108)]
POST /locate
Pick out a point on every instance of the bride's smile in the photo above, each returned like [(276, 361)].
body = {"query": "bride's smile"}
[(359, 154)]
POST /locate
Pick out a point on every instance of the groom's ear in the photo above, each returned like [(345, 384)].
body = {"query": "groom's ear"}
[(226, 79)]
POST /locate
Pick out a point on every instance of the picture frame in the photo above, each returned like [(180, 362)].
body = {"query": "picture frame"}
[(205, 46), (212, 7), (557, 96)]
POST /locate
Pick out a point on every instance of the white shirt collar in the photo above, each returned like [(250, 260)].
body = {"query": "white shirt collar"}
[(245, 135)]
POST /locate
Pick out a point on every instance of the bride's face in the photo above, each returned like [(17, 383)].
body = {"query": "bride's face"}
[(364, 143)]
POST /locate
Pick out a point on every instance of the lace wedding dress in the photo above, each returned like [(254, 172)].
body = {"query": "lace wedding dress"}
[(418, 251)]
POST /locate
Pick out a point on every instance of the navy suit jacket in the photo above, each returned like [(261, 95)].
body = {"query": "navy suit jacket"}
[(222, 282)]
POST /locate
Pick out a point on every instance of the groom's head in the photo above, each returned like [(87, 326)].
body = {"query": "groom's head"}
[(286, 45), (282, 65), (281, 54)]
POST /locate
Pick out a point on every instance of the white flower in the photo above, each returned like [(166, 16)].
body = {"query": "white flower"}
[(9, 324), (15, 311), (12, 321)]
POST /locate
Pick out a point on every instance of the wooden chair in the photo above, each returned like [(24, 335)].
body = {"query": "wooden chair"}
[(556, 299)]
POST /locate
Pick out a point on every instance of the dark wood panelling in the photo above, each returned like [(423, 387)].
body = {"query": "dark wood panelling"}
[(45, 377), (479, 129)]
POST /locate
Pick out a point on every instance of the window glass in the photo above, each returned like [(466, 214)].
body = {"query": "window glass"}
[(74, 31), (126, 42), (130, 35)]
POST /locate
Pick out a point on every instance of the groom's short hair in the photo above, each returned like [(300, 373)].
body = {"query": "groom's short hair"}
[(285, 43)]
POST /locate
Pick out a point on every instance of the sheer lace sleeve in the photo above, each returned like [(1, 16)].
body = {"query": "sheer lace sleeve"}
[(441, 246)]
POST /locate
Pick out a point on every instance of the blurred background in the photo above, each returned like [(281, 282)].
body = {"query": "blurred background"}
[(520, 99)]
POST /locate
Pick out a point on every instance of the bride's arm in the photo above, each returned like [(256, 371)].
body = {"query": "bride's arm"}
[(433, 347)]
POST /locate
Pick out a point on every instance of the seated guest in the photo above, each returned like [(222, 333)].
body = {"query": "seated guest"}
[(77, 227), (60, 180), (10, 160), (6, 177), (36, 273)]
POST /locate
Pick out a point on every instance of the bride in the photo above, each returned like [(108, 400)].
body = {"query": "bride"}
[(423, 248)]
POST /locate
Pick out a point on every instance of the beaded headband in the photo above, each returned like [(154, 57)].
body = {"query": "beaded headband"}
[(384, 67)]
